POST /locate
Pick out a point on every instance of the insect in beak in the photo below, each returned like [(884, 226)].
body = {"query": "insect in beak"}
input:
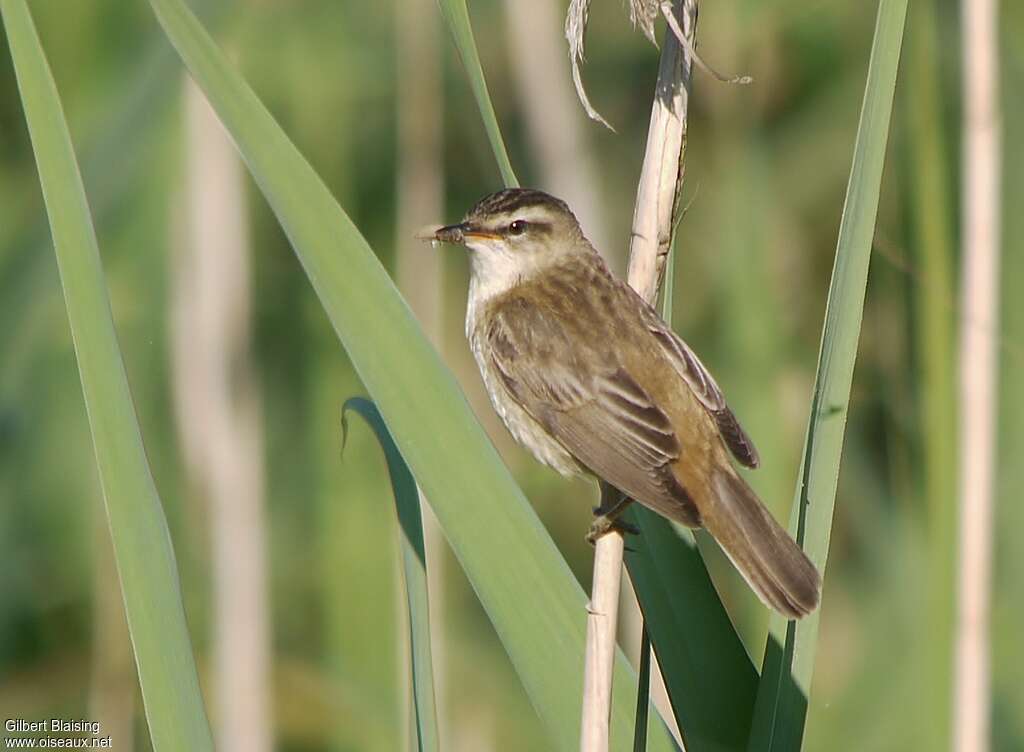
[(453, 233)]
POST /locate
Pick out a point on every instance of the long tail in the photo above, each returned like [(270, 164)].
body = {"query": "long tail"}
[(770, 561)]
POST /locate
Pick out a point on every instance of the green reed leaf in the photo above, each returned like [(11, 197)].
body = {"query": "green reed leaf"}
[(781, 709), (142, 544), (414, 569), (457, 16)]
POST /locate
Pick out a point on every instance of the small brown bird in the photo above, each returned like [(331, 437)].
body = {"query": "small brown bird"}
[(590, 379)]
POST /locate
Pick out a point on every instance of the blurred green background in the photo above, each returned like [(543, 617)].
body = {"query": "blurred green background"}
[(374, 96)]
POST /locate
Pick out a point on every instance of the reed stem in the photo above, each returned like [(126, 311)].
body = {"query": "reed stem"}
[(978, 362), (653, 224)]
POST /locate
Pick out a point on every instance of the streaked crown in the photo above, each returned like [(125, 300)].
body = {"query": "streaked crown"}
[(510, 200), (518, 210)]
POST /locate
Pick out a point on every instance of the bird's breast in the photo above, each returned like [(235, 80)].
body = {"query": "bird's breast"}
[(520, 424)]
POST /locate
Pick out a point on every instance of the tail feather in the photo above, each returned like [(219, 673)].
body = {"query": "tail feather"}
[(771, 562)]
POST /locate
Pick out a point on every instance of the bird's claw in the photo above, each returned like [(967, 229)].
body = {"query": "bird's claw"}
[(603, 524)]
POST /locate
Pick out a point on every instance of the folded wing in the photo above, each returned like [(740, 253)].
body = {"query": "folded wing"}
[(701, 383), (594, 408)]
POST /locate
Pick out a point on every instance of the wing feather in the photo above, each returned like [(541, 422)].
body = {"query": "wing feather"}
[(604, 418), (703, 386)]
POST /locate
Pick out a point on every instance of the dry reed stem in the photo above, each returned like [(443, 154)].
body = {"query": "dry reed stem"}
[(599, 660), (653, 223), (576, 19), (978, 362), (662, 172)]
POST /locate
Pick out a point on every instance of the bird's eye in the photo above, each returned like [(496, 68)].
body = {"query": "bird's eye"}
[(517, 228)]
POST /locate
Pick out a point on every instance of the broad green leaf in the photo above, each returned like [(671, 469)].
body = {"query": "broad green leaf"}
[(142, 544), (142, 98), (414, 567), (781, 708), (527, 589), (457, 16), (643, 692), (692, 635)]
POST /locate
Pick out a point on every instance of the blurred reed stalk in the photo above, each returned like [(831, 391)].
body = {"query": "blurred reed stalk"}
[(978, 361), (420, 179), (420, 191), (113, 680), (553, 123), (653, 224), (219, 421)]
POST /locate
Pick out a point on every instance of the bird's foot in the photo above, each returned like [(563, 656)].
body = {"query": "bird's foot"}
[(604, 524)]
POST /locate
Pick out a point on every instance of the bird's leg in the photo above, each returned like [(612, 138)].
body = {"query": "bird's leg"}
[(613, 501), (606, 516)]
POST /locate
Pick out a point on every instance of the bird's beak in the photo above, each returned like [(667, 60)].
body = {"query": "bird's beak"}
[(470, 230), (457, 234)]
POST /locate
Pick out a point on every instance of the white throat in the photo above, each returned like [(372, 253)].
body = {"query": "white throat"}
[(493, 271)]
